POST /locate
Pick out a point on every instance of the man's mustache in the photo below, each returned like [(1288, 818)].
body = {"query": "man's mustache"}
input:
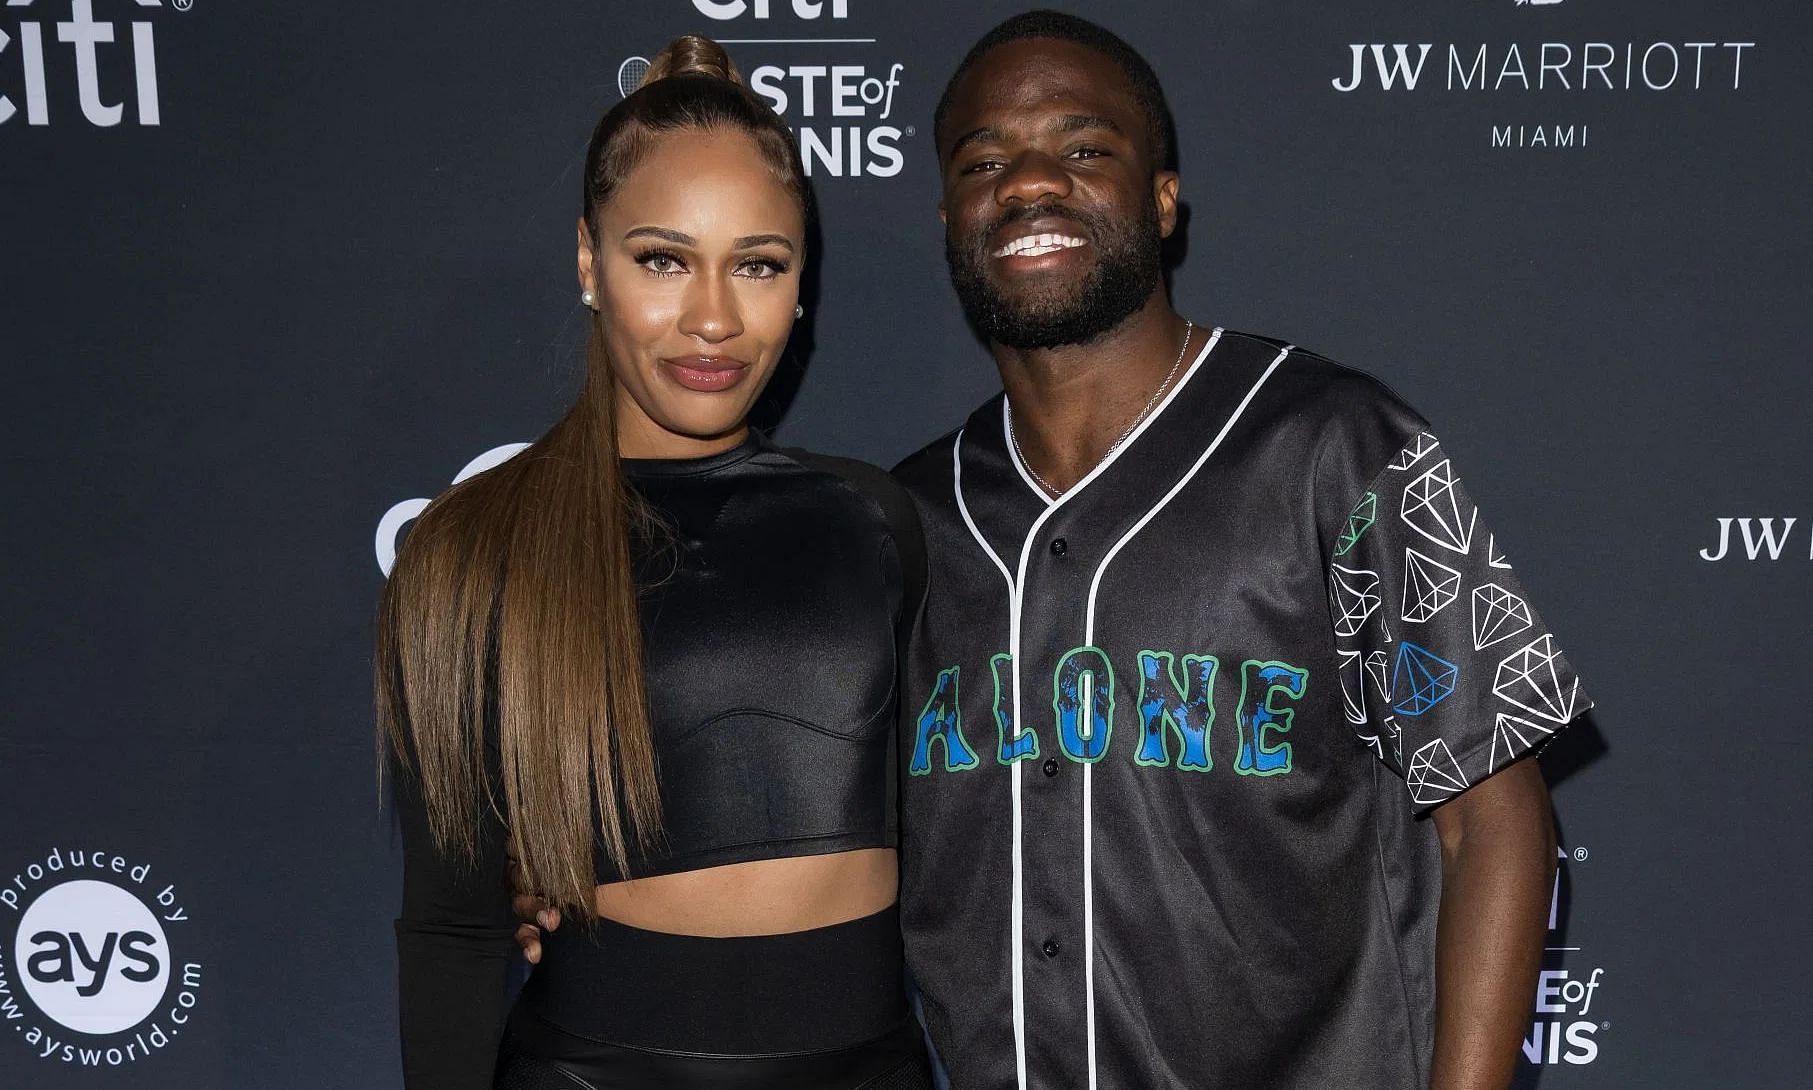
[(1043, 210)]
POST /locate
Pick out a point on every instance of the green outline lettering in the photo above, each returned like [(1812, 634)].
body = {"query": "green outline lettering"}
[(1024, 744), (945, 724), (1180, 686), (1274, 719), (1057, 704)]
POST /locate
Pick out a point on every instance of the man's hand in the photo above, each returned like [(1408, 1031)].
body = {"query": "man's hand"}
[(537, 916)]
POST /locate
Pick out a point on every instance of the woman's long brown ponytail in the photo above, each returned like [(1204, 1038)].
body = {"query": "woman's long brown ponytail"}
[(513, 601)]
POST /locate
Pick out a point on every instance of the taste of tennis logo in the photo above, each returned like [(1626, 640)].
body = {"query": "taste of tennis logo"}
[(1568, 1017), (809, 61), (89, 968), (58, 61)]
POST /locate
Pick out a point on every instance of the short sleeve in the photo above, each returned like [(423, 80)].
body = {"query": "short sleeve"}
[(1448, 672)]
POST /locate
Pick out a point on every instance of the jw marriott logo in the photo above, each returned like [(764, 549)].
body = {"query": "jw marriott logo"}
[(1565, 71), (40, 52), (1758, 539)]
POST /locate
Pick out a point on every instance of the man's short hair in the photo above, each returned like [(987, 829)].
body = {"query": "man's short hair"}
[(1061, 27)]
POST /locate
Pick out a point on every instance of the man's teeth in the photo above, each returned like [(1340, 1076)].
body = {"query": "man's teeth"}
[(1035, 245)]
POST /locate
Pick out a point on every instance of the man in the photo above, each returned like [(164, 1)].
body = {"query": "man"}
[(1217, 780), (1202, 607)]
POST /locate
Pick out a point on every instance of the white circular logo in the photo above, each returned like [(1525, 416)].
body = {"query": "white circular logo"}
[(629, 75), (400, 515), (92, 956)]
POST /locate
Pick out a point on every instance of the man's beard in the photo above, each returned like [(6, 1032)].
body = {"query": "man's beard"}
[(1125, 273)]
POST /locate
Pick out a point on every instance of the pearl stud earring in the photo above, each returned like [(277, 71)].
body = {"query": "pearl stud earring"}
[(588, 298)]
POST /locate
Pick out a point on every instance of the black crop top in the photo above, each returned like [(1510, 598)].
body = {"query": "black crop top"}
[(774, 613)]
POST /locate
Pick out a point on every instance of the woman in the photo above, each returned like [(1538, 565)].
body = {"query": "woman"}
[(652, 658)]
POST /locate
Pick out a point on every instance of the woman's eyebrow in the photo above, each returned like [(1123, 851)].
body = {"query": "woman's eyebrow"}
[(676, 237), (749, 242)]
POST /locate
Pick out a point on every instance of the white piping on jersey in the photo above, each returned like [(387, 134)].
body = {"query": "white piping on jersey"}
[(1095, 585), (1050, 501), (1017, 927), (1013, 455), (1015, 586), (1088, 695), (963, 509)]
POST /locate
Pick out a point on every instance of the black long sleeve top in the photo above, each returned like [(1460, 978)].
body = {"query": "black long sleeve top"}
[(774, 614)]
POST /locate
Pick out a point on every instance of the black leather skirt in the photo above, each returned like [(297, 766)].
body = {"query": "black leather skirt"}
[(537, 1056), (612, 1006)]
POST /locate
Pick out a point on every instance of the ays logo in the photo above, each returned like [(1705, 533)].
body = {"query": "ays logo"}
[(819, 74), (59, 61), (89, 974)]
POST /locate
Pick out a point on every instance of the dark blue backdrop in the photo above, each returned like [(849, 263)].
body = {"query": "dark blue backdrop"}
[(337, 268)]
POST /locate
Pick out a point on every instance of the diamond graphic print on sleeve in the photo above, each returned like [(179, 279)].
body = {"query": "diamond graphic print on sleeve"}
[(1497, 616), (1536, 679), (1430, 586), (1434, 775), (1421, 679), (1452, 697), (1358, 523), (1513, 736), (1432, 508), (1354, 596)]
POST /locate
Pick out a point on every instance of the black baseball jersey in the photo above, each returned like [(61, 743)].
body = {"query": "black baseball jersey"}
[(1165, 806)]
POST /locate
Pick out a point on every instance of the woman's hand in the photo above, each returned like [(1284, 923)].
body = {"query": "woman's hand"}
[(537, 916)]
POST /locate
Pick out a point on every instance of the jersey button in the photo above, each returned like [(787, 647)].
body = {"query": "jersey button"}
[(1059, 547), (1050, 948), (1051, 766)]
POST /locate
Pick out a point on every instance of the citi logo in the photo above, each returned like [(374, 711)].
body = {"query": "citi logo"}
[(1763, 539), (36, 53), (805, 9), (390, 527)]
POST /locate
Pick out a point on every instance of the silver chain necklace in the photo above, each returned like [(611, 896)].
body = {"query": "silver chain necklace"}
[(1189, 328)]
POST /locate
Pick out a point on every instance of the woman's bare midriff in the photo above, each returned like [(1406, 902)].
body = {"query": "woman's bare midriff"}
[(763, 897)]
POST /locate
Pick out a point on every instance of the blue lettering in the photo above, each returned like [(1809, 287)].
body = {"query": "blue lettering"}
[(1083, 700), (1168, 704), (1015, 745), (941, 720), (1260, 683)]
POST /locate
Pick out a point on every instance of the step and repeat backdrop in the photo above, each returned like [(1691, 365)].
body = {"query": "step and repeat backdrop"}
[(271, 275)]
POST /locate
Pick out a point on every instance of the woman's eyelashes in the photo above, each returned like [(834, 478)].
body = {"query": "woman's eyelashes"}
[(661, 262), (762, 268), (669, 263)]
